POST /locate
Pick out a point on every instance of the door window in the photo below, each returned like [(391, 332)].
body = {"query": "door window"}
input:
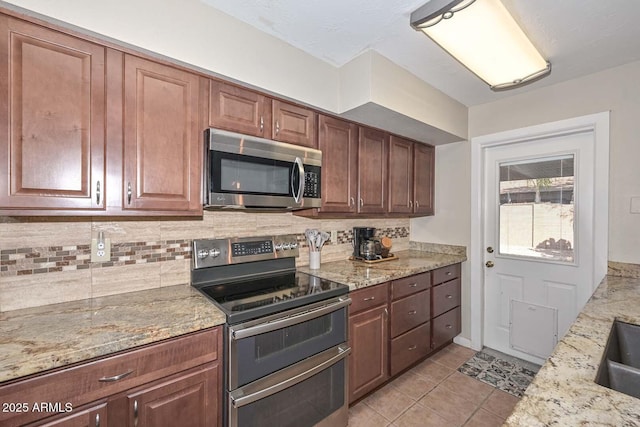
[(537, 212)]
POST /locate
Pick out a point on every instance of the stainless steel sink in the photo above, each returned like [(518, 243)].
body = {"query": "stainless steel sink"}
[(620, 366)]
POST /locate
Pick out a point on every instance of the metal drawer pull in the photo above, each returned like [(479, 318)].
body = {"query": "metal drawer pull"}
[(361, 202), (448, 273), (261, 124), (353, 201), (97, 420), (412, 312), (369, 299), (449, 296), (277, 127), (449, 326), (417, 204), (135, 413), (410, 204), (115, 377), (98, 193), (413, 347), (413, 285), (129, 193)]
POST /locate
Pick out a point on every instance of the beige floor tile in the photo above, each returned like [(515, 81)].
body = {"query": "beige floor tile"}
[(362, 415), (421, 416), (500, 403), (449, 405), (484, 418), (433, 371), (414, 385), (389, 402), (468, 388), (453, 357)]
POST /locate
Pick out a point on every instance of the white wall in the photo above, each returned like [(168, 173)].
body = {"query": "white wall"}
[(617, 90)]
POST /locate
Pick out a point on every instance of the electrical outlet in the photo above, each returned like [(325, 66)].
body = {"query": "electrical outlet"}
[(334, 237), (100, 249)]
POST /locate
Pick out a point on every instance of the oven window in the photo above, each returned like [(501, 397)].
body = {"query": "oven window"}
[(271, 345), (234, 173), (304, 404), (260, 355)]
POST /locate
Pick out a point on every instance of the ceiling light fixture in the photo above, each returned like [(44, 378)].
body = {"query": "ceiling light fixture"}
[(484, 37)]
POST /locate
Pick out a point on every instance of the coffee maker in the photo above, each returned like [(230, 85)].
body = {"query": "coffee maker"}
[(365, 244)]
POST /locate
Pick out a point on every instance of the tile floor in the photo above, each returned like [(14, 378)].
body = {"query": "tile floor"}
[(434, 393)]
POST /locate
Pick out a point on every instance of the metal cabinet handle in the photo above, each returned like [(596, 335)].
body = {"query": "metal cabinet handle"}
[(135, 413), (449, 326), (369, 299), (97, 420), (449, 296), (386, 312), (277, 127), (412, 312), (411, 204), (417, 204), (448, 273), (413, 347), (413, 285), (353, 201), (129, 193), (261, 124), (361, 202), (115, 377), (98, 193)]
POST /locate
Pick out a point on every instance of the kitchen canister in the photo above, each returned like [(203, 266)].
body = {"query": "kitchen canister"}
[(314, 259)]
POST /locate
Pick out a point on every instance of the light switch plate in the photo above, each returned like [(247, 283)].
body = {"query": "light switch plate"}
[(99, 254), (334, 237), (635, 205)]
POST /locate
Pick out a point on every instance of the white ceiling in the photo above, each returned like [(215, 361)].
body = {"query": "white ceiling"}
[(578, 37)]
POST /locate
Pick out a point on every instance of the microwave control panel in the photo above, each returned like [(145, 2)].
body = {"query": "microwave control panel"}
[(311, 182)]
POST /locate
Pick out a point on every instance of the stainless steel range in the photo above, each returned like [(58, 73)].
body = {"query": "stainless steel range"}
[(285, 336)]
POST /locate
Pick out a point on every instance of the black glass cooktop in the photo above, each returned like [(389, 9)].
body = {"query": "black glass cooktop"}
[(247, 299)]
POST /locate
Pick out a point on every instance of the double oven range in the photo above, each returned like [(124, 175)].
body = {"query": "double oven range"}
[(286, 345)]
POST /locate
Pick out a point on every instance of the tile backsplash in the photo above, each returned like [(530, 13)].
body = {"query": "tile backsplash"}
[(45, 261)]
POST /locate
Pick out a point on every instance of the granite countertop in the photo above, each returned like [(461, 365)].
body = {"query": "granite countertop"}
[(359, 275), (36, 339), (564, 392)]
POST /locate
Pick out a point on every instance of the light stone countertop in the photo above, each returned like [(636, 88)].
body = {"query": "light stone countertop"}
[(36, 339), (358, 275), (564, 393)]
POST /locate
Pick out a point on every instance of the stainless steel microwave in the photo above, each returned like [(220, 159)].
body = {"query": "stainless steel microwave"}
[(248, 172)]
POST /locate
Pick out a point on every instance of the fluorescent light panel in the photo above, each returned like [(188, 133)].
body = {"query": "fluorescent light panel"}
[(484, 37)]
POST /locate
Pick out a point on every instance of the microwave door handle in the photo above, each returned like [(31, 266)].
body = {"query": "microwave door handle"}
[(298, 197)]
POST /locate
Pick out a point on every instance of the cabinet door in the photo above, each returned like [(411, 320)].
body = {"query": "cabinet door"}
[(293, 124), (423, 178), (368, 361), (162, 142), (52, 110), (338, 141), (400, 175), (372, 171), (192, 398), (239, 110), (92, 416)]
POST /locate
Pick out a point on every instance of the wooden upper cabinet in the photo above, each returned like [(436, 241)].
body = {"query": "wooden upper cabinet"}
[(52, 119), (294, 124), (372, 170), (400, 175), (239, 110), (162, 140), (338, 141), (423, 179)]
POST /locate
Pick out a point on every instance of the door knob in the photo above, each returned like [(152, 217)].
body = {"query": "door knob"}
[(490, 249), (489, 264)]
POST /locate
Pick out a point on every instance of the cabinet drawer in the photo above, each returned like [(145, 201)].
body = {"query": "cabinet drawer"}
[(410, 347), (409, 312), (445, 274), (98, 379), (410, 285), (445, 327), (445, 297), (366, 298)]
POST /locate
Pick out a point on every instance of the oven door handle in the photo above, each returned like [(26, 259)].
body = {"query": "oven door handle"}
[(288, 321), (284, 379)]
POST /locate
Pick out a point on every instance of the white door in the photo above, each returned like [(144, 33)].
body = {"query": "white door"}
[(538, 241)]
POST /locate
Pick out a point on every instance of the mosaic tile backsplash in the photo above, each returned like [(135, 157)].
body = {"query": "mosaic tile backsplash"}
[(45, 261)]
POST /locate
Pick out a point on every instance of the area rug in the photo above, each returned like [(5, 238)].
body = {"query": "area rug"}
[(499, 370)]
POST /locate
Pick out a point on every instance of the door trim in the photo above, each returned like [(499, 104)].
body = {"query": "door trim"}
[(598, 124)]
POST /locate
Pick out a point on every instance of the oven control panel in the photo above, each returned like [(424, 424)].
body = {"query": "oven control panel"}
[(217, 252)]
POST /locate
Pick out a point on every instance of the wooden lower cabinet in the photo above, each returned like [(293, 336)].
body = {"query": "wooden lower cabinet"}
[(155, 385), (445, 327), (410, 347)]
